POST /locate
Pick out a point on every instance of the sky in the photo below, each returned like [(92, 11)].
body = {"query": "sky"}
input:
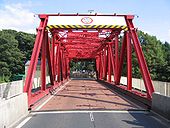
[(154, 15)]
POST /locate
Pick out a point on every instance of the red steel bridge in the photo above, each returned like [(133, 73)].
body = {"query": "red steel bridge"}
[(62, 38), (108, 40)]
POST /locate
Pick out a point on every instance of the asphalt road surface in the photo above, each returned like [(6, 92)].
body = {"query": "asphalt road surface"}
[(92, 119)]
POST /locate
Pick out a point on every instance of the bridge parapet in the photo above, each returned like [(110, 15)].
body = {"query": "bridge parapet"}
[(11, 89), (13, 110), (161, 105)]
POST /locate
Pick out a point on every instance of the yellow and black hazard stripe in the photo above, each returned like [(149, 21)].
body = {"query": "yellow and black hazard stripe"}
[(123, 27)]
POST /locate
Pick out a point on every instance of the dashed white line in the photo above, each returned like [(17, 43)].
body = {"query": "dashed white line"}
[(91, 117)]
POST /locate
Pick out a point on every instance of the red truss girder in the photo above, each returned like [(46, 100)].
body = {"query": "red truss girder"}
[(103, 45)]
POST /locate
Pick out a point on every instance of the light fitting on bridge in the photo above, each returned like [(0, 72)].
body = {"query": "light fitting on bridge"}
[(90, 11)]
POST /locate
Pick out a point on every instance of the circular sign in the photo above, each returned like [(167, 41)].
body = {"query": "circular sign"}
[(86, 20)]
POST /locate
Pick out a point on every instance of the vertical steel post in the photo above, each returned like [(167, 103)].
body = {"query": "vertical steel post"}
[(43, 64), (116, 56), (68, 68), (129, 62), (112, 59), (109, 65), (61, 65), (34, 56), (53, 52), (49, 59), (105, 64), (97, 67), (140, 57), (122, 56), (101, 66), (56, 61), (64, 65), (58, 65)]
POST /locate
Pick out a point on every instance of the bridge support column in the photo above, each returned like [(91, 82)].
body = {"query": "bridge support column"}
[(129, 62), (61, 65), (58, 64), (53, 54), (116, 56), (97, 67), (49, 59), (68, 68), (122, 56), (140, 57), (109, 64), (105, 64), (43, 65), (34, 57), (112, 60), (101, 65)]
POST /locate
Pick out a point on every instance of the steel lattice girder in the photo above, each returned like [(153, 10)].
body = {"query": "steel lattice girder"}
[(60, 45)]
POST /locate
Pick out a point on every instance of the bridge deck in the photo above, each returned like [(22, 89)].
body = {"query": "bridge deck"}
[(91, 95), (87, 94)]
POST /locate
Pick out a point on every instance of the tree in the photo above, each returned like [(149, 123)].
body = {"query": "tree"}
[(153, 52), (164, 74), (16, 48), (25, 45)]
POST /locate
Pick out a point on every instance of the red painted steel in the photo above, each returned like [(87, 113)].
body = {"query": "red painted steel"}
[(109, 65), (66, 45), (105, 64), (49, 59), (122, 56), (116, 55), (43, 66), (129, 63), (112, 60), (140, 57), (34, 57)]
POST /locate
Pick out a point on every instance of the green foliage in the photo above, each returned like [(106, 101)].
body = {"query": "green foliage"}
[(82, 65), (157, 56), (15, 50), (25, 41)]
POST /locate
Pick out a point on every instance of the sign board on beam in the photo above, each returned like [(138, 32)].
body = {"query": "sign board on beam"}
[(86, 22)]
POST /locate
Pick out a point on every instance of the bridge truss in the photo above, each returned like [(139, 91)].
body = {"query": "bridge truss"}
[(107, 39)]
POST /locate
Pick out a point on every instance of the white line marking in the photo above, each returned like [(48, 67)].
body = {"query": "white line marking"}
[(58, 89), (28, 118), (91, 117), (24, 122), (107, 111)]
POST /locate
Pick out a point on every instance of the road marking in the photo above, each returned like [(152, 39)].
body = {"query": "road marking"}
[(91, 117), (58, 89), (93, 111), (24, 122), (38, 108)]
